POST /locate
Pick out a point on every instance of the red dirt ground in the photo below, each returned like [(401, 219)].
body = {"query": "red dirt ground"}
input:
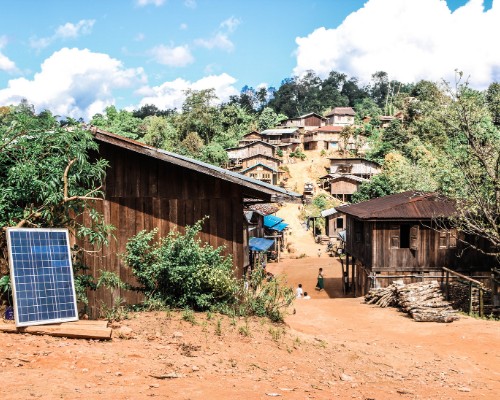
[(330, 348)]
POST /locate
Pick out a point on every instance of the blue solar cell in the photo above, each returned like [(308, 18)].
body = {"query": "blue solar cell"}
[(42, 276)]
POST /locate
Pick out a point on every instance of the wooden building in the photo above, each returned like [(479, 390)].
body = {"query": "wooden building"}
[(148, 188), (308, 121), (237, 154), (334, 223), (249, 138), (262, 172), (289, 136), (325, 137), (341, 116), (342, 186), (404, 236)]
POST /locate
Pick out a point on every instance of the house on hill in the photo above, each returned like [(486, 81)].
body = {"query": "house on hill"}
[(340, 116), (325, 137), (307, 122), (404, 236), (237, 154), (347, 174), (147, 188), (249, 138)]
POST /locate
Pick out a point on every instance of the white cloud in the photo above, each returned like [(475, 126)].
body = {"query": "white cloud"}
[(69, 30), (190, 4), (139, 37), (143, 3), (183, 27), (230, 24), (179, 56), (73, 82), (219, 41), (6, 64), (171, 94), (66, 31), (410, 40)]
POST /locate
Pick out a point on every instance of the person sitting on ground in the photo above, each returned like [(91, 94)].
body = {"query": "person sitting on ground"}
[(298, 291), (306, 296)]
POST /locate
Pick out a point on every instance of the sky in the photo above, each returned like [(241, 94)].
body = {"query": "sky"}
[(77, 57)]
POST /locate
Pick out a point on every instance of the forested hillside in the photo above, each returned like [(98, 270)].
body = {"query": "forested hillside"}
[(446, 138)]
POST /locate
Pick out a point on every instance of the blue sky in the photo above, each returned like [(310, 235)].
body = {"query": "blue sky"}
[(77, 57)]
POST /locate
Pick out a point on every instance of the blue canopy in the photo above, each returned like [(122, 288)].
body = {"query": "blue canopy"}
[(279, 227), (260, 244), (271, 220)]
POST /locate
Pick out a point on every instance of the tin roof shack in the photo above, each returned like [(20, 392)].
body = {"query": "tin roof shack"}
[(148, 188), (334, 223), (404, 236), (289, 136)]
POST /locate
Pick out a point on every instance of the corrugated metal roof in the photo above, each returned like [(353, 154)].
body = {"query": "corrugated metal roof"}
[(264, 209), (330, 128), (406, 205), (190, 163), (330, 211), (341, 111), (271, 132), (334, 177), (262, 165)]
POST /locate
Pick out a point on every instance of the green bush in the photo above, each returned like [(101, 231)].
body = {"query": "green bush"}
[(181, 271)]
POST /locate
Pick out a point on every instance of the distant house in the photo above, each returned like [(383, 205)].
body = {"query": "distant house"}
[(148, 188), (262, 172), (356, 166), (326, 137), (249, 138), (334, 223), (346, 175), (340, 116), (404, 236), (282, 136), (286, 139), (237, 154), (308, 121)]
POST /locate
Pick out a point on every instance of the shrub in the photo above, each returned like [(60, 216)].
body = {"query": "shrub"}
[(181, 271)]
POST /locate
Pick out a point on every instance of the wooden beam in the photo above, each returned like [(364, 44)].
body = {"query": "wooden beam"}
[(77, 330)]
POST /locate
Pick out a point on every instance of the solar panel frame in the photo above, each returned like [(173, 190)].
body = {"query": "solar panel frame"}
[(41, 274)]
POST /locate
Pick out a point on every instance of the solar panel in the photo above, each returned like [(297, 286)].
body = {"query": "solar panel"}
[(41, 276)]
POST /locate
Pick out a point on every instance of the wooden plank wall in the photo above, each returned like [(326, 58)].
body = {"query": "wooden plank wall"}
[(144, 193), (376, 253)]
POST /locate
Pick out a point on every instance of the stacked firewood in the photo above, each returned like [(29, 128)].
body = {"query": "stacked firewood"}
[(424, 301), (459, 293)]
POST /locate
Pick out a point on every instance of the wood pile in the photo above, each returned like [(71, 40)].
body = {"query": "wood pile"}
[(424, 301)]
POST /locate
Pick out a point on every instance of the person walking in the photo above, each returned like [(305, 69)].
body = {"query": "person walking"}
[(320, 285)]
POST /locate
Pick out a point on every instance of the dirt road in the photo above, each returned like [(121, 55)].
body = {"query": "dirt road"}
[(331, 347)]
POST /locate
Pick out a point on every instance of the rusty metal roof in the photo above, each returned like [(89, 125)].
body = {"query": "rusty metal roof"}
[(402, 206), (277, 193)]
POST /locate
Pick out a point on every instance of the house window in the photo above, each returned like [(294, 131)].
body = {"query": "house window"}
[(358, 231), (394, 237), (447, 238), (340, 223), (404, 236)]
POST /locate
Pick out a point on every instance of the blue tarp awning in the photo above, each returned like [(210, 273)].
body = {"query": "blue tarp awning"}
[(279, 227), (260, 244), (271, 220)]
